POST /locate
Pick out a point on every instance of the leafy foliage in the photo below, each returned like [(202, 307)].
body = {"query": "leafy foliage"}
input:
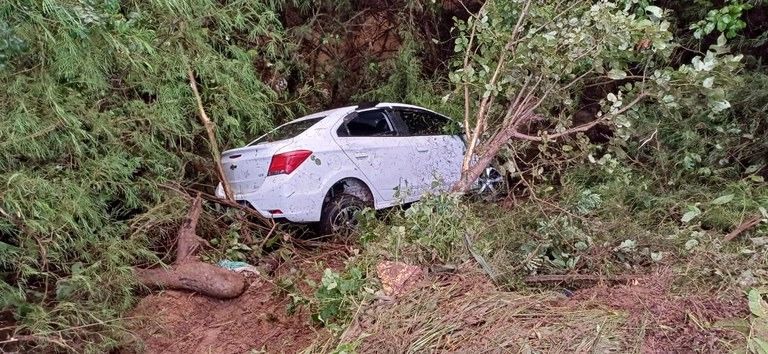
[(98, 114), (336, 293), (726, 20), (429, 231), (525, 70), (98, 119)]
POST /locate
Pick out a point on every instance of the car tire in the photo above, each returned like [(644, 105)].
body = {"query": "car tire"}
[(492, 184), (337, 216)]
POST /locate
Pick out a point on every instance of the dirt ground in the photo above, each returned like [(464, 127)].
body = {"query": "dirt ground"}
[(456, 313), (176, 322)]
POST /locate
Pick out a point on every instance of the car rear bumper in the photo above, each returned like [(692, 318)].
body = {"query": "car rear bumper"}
[(292, 205)]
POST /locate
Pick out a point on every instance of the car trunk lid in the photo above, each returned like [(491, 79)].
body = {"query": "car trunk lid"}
[(246, 168)]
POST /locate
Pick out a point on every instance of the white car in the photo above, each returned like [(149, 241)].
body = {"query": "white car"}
[(324, 167)]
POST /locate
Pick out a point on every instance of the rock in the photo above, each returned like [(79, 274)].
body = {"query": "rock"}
[(398, 278)]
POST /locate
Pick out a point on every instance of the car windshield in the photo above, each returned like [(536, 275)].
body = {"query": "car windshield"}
[(287, 131)]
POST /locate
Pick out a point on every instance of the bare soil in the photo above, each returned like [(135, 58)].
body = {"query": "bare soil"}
[(669, 323), (456, 313), (176, 322)]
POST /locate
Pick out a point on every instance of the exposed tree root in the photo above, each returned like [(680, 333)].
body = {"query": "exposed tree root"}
[(188, 272)]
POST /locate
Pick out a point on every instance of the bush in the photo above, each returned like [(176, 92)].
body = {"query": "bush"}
[(97, 116)]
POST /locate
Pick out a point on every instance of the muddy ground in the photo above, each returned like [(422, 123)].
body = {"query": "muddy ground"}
[(457, 313)]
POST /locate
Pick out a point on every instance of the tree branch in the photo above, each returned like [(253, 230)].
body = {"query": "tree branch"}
[(581, 128), (208, 124), (741, 228)]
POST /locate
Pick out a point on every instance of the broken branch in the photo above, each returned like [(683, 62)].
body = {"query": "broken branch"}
[(187, 240), (741, 228), (208, 124), (583, 127)]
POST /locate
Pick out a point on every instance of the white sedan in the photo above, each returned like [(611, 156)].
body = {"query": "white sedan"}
[(324, 167)]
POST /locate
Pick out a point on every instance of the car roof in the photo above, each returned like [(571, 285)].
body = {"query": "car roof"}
[(348, 109)]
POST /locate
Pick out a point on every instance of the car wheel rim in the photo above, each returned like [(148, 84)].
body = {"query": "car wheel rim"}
[(490, 183), (344, 221)]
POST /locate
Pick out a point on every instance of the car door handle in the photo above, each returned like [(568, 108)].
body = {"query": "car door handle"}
[(361, 156), (422, 149)]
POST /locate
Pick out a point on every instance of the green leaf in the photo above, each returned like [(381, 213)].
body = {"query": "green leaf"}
[(655, 11), (757, 305), (722, 200), (616, 74), (690, 215), (760, 346), (721, 40), (752, 169), (756, 178), (627, 246), (691, 244), (721, 26)]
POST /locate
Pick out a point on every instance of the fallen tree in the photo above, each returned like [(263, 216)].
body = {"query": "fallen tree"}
[(526, 67), (187, 271)]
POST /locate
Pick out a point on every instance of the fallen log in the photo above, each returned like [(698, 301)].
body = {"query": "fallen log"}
[(187, 272)]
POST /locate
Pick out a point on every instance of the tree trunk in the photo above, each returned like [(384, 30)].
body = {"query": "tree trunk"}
[(468, 176)]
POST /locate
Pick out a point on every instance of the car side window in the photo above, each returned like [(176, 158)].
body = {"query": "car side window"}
[(368, 123), (423, 123)]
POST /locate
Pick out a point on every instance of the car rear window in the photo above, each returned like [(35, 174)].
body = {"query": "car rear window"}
[(287, 131)]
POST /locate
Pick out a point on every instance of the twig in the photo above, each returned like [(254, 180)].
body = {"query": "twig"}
[(217, 200), (269, 234), (571, 277), (741, 228)]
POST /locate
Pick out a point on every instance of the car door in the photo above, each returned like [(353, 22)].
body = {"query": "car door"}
[(440, 154), (372, 141)]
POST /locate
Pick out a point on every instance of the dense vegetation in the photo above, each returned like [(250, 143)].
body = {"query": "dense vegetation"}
[(99, 135)]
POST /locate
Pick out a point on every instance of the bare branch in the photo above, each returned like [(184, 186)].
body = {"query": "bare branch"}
[(582, 76), (518, 26), (208, 124), (581, 128), (741, 228), (466, 85)]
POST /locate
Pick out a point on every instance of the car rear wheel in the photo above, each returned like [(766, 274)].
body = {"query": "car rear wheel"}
[(338, 215)]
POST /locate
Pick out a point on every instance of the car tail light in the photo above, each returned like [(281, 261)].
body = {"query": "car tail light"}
[(275, 212), (286, 162)]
